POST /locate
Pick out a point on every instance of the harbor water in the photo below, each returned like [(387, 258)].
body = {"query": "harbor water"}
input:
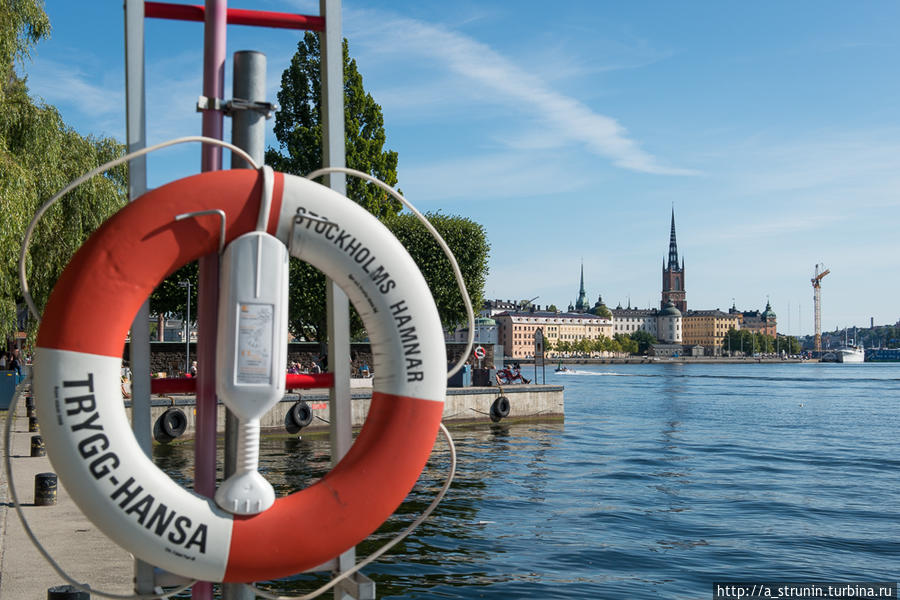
[(663, 479)]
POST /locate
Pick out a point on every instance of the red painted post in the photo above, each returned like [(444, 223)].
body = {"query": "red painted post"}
[(185, 385), (208, 293)]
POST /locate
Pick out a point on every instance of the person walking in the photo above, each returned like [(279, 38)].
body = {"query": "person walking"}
[(14, 363)]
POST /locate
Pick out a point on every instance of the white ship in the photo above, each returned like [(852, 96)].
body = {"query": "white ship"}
[(850, 354), (845, 354)]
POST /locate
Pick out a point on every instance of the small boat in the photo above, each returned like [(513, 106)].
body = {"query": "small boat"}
[(561, 369)]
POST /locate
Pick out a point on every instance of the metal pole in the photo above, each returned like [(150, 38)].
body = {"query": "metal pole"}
[(248, 127), (187, 328), (248, 131), (187, 336), (139, 350), (338, 307), (208, 273)]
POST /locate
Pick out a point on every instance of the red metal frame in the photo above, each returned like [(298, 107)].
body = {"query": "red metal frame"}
[(186, 385), (235, 16)]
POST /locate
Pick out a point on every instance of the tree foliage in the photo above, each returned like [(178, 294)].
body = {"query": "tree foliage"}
[(753, 342), (170, 298), (298, 129), (602, 311), (620, 343), (299, 133), (468, 241), (644, 340), (39, 155), (23, 23)]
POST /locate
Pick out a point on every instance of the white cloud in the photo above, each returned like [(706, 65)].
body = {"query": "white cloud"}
[(499, 176), (489, 77), (71, 89)]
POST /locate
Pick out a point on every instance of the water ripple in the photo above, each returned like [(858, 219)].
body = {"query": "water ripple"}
[(663, 479)]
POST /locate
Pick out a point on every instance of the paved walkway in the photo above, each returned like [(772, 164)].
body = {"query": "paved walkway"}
[(75, 543)]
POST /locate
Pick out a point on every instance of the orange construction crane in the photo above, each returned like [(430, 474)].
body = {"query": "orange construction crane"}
[(817, 301)]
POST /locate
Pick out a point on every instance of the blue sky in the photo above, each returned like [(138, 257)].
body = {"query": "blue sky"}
[(570, 132)]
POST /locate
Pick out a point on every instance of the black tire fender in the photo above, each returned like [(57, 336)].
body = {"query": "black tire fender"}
[(500, 409), (300, 415), (170, 425)]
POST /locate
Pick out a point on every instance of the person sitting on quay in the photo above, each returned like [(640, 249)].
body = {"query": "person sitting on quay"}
[(507, 375)]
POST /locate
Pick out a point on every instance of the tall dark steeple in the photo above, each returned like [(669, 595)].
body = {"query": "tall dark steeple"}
[(673, 275), (581, 305), (673, 246)]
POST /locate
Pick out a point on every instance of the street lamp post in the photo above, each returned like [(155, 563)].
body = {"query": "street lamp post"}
[(187, 328)]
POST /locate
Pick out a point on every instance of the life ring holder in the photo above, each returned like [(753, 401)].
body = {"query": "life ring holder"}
[(55, 336)]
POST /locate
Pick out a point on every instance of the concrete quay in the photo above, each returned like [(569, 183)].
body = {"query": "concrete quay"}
[(463, 406), (73, 541)]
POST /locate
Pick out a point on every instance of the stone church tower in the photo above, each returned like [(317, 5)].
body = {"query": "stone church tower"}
[(673, 275)]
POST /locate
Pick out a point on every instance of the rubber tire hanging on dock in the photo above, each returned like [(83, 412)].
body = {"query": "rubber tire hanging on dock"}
[(500, 409), (298, 416), (170, 425)]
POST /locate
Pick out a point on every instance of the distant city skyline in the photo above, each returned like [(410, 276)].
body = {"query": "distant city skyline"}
[(771, 126)]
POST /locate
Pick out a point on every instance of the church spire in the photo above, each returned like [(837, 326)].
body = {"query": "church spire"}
[(673, 246), (581, 305), (673, 275)]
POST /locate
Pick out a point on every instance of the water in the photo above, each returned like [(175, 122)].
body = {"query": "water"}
[(663, 479)]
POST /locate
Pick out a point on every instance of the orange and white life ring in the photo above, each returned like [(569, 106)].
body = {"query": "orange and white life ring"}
[(79, 398)]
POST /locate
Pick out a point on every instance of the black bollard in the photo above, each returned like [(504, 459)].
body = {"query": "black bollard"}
[(37, 446), (45, 489), (30, 412), (29, 402), (33, 425), (67, 592)]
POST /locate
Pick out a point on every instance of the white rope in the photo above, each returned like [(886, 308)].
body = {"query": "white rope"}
[(470, 314), (101, 169), (375, 555)]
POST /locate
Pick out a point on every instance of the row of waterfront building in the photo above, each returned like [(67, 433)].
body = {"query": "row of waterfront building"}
[(679, 330)]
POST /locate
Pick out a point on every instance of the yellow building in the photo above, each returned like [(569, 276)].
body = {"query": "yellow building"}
[(516, 329), (707, 328)]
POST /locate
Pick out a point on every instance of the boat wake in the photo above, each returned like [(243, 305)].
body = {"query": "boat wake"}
[(574, 372)]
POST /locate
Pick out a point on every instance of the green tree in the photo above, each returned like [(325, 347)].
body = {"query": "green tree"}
[(468, 241), (298, 129), (644, 340), (39, 155), (549, 346), (170, 298), (626, 343), (601, 310), (299, 133), (552, 308), (23, 23), (583, 345), (790, 344)]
